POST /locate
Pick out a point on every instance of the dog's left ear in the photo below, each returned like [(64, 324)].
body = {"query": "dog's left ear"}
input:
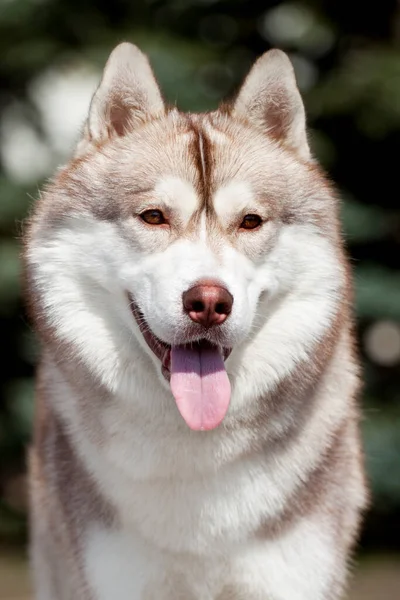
[(127, 96), (269, 98)]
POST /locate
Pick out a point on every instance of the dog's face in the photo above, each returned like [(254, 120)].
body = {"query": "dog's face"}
[(186, 233)]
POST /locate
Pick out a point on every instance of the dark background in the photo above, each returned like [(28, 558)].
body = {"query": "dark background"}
[(347, 59)]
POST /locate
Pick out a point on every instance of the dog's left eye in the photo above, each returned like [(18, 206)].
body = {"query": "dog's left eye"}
[(153, 217), (250, 222)]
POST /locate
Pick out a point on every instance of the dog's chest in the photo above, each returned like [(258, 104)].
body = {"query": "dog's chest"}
[(122, 565), (214, 511)]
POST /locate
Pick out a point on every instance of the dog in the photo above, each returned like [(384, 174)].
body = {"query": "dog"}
[(197, 430)]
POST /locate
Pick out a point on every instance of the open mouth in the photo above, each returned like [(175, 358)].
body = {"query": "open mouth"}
[(196, 373)]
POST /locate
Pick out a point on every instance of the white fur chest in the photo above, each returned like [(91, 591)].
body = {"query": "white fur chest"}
[(215, 510), (190, 492), (182, 491), (120, 564)]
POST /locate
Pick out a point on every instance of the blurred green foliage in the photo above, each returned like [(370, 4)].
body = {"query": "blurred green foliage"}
[(347, 60)]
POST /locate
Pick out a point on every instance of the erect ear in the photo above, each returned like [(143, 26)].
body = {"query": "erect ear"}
[(269, 98), (127, 96)]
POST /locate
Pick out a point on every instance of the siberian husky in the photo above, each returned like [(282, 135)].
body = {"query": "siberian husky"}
[(196, 434)]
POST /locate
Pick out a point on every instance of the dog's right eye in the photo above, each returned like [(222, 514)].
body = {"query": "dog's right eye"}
[(153, 217)]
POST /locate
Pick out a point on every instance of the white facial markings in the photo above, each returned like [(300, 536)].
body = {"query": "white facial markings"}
[(232, 199), (304, 282), (202, 230), (177, 194)]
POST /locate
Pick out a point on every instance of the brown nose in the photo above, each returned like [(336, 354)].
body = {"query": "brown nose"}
[(207, 303)]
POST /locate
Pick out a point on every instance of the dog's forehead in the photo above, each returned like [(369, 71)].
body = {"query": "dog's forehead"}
[(206, 162)]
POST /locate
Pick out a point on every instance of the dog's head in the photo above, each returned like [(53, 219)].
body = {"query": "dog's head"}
[(189, 236)]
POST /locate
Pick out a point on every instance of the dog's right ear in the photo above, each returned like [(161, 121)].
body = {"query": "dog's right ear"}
[(127, 96)]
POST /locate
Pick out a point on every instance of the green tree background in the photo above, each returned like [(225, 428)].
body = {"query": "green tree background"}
[(347, 60)]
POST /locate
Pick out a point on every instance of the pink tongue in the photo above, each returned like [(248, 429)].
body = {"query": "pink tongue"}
[(200, 385)]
